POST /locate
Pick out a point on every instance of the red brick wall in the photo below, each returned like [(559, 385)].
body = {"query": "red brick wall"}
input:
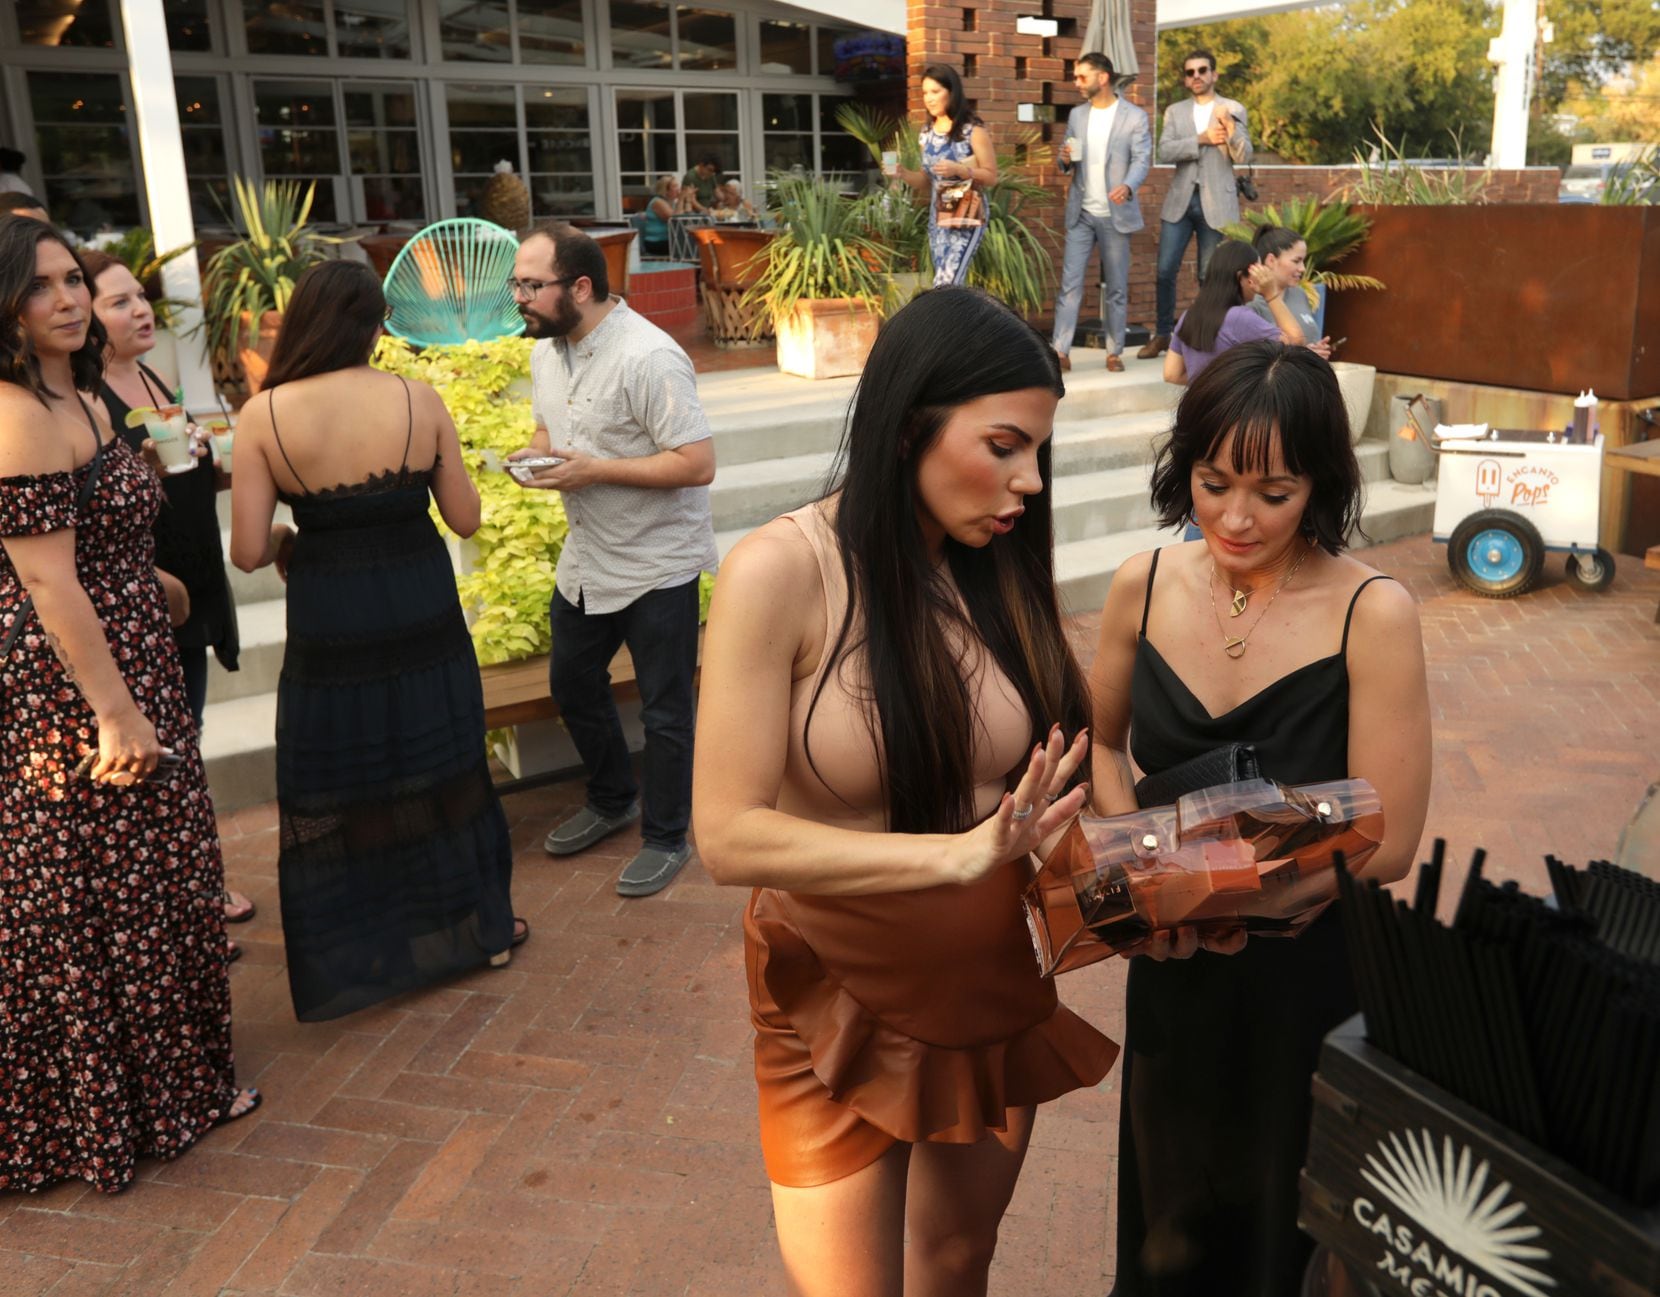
[(1002, 70)]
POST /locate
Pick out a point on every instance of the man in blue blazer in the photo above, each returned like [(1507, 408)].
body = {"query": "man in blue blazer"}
[(1108, 149), (1204, 138)]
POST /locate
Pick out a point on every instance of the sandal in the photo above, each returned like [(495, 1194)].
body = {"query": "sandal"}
[(238, 908), (255, 1098), (521, 934), (233, 952)]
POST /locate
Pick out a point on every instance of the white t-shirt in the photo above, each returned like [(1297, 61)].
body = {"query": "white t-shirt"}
[(1201, 116), (12, 183), (1095, 149)]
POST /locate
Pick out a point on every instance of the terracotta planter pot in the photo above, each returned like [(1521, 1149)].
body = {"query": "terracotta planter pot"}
[(826, 338), (257, 358)]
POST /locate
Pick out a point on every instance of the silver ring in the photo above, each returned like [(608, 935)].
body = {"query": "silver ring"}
[(1018, 814), (1051, 797)]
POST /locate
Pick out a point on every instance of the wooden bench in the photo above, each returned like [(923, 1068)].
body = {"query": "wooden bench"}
[(516, 693)]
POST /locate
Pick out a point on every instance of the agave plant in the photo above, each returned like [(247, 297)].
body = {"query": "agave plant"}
[(821, 251), (1633, 184), (1332, 231), (136, 250), (1387, 179), (257, 272)]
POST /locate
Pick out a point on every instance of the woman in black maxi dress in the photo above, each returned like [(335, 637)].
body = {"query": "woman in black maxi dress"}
[(1328, 683)]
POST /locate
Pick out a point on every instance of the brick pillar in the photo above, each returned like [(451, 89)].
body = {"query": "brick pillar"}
[(1002, 69)]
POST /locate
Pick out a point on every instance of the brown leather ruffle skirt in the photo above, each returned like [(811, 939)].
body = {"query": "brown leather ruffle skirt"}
[(914, 1016)]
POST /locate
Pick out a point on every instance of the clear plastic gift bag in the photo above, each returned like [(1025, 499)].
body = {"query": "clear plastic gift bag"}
[(1255, 854)]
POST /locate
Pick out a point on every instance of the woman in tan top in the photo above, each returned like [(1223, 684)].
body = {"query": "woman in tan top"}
[(878, 769)]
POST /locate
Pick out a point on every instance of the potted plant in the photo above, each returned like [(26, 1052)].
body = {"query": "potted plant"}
[(819, 282), (247, 283)]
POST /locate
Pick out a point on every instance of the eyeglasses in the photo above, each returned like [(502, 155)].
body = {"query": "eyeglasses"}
[(1195, 72), (525, 289)]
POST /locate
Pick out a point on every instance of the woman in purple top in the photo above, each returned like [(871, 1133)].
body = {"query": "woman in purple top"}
[(1221, 316)]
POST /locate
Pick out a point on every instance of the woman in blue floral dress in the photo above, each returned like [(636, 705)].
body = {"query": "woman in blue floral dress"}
[(955, 147)]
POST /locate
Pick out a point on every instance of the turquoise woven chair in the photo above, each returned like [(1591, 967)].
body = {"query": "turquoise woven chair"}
[(449, 284)]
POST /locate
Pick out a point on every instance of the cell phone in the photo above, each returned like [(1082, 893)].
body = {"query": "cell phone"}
[(523, 470), (167, 765), (1338, 343)]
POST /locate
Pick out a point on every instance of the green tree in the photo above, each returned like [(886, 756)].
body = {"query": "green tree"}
[(1594, 39)]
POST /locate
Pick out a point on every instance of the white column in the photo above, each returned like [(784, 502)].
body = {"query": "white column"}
[(161, 150), (1512, 52)]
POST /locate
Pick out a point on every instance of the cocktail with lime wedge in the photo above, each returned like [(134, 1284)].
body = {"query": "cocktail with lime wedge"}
[(167, 428)]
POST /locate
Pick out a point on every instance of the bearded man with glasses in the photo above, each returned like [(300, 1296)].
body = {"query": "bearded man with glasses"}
[(1204, 138), (617, 414)]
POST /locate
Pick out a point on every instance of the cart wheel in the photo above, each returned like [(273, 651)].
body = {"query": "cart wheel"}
[(1496, 553), (1594, 571)]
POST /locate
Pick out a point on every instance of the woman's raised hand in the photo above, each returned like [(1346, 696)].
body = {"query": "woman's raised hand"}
[(1024, 818)]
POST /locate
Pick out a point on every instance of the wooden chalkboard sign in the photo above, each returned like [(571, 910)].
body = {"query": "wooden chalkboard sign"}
[(1425, 1197)]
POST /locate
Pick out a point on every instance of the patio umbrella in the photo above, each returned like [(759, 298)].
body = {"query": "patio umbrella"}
[(1108, 32)]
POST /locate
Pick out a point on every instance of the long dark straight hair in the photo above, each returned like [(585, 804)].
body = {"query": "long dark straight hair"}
[(948, 347), (962, 118), (1219, 294), (20, 240), (332, 322)]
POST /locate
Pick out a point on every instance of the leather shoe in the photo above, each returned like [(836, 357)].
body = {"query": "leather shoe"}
[(1156, 346), (1066, 360), (1115, 363)]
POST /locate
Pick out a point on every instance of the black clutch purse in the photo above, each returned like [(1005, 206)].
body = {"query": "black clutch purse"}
[(1225, 765)]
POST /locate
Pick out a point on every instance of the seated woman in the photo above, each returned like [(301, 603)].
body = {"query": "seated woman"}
[(1221, 316), (730, 198), (665, 202), (1285, 253), (889, 724)]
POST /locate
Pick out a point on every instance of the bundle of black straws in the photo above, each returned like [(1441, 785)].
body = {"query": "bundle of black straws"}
[(1547, 1018)]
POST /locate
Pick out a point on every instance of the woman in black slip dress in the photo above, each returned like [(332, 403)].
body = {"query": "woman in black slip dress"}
[(394, 864), (1322, 669)]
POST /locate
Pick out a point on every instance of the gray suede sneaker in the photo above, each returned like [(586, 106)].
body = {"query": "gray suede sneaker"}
[(651, 871), (586, 827)]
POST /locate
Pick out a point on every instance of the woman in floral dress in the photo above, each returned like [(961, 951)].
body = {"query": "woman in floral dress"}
[(955, 147), (115, 1022)]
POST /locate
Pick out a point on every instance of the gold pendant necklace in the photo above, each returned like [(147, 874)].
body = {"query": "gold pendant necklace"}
[(1234, 645)]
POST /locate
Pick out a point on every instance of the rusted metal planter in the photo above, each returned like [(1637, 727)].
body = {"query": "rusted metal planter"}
[(1549, 297)]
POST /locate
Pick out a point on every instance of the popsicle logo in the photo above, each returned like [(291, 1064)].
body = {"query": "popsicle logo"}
[(1488, 482), (1456, 1231)]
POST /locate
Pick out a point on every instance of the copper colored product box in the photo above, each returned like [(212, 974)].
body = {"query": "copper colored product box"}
[(1255, 854)]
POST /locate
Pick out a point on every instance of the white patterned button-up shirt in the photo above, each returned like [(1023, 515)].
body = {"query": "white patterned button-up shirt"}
[(625, 391)]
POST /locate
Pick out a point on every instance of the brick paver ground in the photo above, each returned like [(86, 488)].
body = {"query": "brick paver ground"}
[(582, 1122)]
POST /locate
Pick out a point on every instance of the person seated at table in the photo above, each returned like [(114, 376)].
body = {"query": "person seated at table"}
[(665, 201), (699, 184), (729, 198)]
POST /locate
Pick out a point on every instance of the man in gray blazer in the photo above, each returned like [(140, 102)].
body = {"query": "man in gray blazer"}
[(1108, 149), (1205, 137)]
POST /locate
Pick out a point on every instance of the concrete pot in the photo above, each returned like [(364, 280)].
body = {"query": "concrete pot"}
[(826, 338), (1356, 383)]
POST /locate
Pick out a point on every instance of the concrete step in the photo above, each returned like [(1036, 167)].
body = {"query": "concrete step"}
[(263, 624), (240, 751)]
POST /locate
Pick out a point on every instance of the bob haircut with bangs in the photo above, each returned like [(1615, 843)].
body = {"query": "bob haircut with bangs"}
[(1269, 396)]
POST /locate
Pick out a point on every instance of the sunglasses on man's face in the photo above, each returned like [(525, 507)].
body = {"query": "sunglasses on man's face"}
[(1195, 72)]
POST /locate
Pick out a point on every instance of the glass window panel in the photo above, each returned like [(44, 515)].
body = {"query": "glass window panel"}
[(567, 195), (787, 112), (665, 156), (70, 23), (306, 104), (374, 151), (371, 29), (645, 109), (198, 99), (204, 152), (481, 150), (393, 198), (78, 99), (708, 39), (557, 109), (482, 106), (210, 201), (631, 153), (711, 112), (827, 106), (786, 151), (285, 27), (640, 34), (392, 106), (724, 147), (88, 205), (827, 38), (843, 153), (292, 153), (71, 149), (474, 31), (561, 154), (189, 24), (550, 31), (786, 46)]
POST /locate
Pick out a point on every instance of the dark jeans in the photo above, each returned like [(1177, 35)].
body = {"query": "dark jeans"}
[(194, 660), (1173, 240), (660, 630)]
